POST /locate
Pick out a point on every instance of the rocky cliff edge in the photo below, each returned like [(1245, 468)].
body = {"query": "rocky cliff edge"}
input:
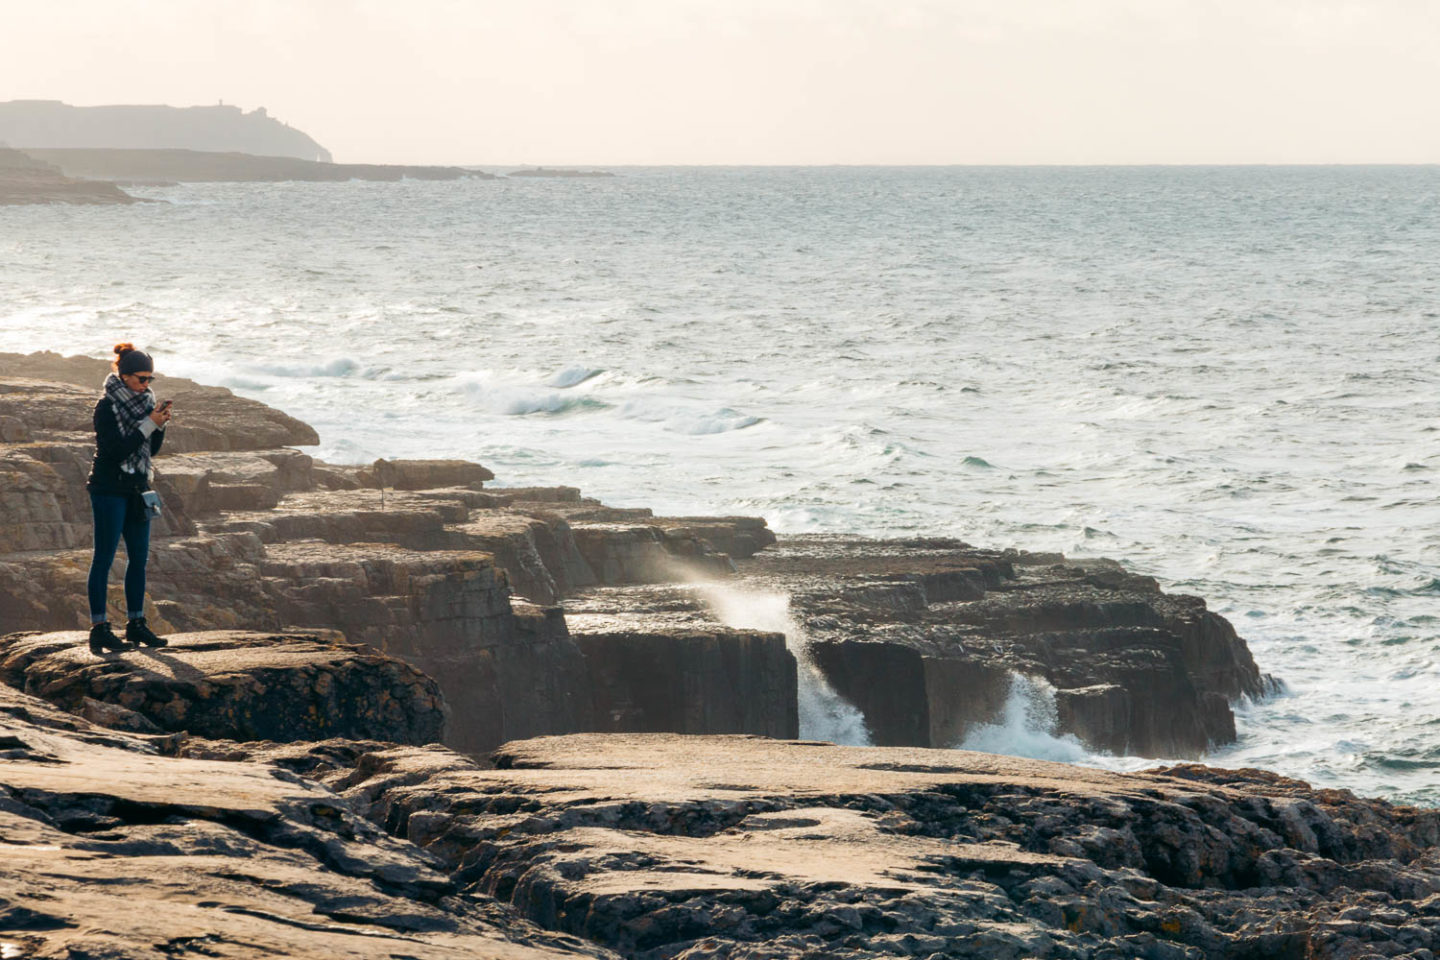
[(282, 792)]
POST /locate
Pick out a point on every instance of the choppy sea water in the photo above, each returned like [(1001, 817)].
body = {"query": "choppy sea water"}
[(1224, 377)]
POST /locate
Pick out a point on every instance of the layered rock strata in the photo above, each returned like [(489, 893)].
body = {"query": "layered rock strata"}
[(934, 640), (216, 824), (928, 637), (422, 559)]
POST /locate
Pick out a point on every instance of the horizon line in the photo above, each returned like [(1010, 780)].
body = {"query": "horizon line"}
[(1207, 164)]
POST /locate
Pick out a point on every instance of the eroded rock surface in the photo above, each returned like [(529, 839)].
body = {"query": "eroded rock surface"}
[(539, 611), (673, 847), (665, 846), (109, 849), (422, 559), (231, 684)]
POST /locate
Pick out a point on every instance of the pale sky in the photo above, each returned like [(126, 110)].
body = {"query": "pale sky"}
[(767, 81)]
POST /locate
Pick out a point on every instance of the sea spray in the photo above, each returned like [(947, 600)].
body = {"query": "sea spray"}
[(824, 714), (1026, 726)]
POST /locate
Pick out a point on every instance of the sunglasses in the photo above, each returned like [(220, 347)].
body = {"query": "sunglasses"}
[(142, 379)]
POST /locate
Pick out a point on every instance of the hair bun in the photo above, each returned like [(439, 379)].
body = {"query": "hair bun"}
[(123, 348)]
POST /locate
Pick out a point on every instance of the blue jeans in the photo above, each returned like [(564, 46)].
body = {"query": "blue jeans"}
[(117, 516)]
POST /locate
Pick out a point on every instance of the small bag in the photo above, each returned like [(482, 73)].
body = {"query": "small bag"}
[(152, 503)]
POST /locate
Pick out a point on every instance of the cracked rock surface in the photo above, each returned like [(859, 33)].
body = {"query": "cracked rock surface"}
[(232, 684), (661, 846), (109, 849)]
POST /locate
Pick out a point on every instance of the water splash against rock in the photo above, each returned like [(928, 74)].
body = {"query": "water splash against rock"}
[(824, 714), (1026, 726)]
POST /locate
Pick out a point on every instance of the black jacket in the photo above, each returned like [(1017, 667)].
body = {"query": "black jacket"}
[(112, 449)]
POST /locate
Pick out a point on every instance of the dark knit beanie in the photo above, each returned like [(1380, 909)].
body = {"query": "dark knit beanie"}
[(133, 361)]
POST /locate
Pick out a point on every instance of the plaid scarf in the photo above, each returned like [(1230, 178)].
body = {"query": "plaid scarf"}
[(131, 408)]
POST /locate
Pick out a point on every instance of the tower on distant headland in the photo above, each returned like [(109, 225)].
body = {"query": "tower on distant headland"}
[(221, 128)]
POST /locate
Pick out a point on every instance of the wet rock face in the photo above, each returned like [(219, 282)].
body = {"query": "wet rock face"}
[(113, 850), (691, 681), (231, 684), (926, 637)]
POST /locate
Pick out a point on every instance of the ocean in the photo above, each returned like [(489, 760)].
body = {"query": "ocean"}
[(1223, 377)]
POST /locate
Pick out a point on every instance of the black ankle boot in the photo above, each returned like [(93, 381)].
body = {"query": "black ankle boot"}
[(141, 635), (102, 638)]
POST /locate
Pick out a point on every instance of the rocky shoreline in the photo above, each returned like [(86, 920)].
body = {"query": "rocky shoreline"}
[(25, 180), (407, 713)]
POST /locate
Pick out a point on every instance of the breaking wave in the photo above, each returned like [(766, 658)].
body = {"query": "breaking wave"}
[(1026, 726), (573, 376)]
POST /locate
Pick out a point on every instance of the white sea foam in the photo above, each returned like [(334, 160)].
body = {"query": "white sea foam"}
[(685, 418), (516, 393), (337, 367)]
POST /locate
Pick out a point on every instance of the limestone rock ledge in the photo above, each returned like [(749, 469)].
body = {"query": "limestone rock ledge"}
[(216, 826), (231, 684), (729, 847), (108, 849)]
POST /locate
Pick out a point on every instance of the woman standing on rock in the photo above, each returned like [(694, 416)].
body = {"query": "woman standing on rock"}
[(129, 430)]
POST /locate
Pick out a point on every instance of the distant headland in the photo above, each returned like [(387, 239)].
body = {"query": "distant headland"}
[(198, 166), (54, 148), (219, 128)]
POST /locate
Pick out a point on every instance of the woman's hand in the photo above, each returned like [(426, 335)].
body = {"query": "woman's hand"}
[(161, 415)]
